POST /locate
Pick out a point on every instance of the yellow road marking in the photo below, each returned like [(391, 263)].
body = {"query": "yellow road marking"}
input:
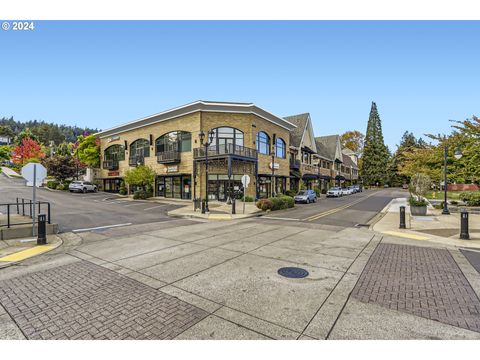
[(24, 254), (406, 235), (334, 210)]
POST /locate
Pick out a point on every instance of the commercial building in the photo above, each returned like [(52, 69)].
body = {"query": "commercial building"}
[(242, 139)]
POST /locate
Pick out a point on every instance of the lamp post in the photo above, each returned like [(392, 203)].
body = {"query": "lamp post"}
[(273, 165), (206, 143), (458, 154)]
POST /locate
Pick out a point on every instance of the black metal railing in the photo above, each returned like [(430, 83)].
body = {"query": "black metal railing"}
[(295, 164), (110, 164), (168, 157), (229, 149), (24, 207), (136, 160)]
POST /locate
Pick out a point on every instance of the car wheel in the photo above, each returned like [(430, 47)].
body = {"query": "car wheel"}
[(314, 200), (308, 201), (84, 190), (95, 189)]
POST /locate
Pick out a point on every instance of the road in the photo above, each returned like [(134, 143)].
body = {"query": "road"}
[(346, 211), (73, 211)]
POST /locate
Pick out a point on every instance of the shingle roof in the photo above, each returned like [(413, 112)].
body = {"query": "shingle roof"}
[(322, 150), (347, 161), (330, 144), (296, 134)]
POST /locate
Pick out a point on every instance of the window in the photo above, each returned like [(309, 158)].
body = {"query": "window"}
[(140, 148), (305, 157), (226, 137), (280, 148), (174, 141), (263, 143), (115, 152)]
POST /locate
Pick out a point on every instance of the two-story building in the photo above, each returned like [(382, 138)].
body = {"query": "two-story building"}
[(333, 151), (242, 139), (350, 166)]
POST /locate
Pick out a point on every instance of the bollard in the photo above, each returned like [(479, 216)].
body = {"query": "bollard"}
[(234, 201), (464, 235), (402, 217), (42, 230), (203, 206)]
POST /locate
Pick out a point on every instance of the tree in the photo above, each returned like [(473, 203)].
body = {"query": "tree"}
[(353, 140), (24, 134), (6, 131), (407, 145), (64, 149), (28, 150), (5, 151), (61, 167), (88, 149), (141, 176), (375, 153)]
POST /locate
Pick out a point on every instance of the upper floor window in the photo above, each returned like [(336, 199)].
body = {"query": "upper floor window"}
[(305, 157), (174, 141), (224, 138), (140, 148), (263, 143), (280, 148), (114, 152)]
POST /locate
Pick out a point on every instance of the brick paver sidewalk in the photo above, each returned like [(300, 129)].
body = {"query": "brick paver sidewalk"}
[(421, 281), (86, 301)]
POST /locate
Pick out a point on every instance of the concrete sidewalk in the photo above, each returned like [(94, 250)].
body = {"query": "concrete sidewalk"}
[(16, 250), (434, 227), (9, 172)]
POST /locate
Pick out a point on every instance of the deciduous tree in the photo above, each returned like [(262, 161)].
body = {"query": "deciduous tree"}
[(28, 150)]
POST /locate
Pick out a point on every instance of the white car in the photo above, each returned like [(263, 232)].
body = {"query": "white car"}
[(82, 186), (347, 191), (335, 192)]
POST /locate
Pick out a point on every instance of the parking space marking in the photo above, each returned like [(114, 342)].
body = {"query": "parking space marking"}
[(142, 203), (155, 207), (100, 227)]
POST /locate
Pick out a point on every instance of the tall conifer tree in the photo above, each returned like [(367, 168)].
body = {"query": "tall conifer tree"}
[(375, 153)]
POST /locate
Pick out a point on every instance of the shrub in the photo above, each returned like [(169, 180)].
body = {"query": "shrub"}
[(317, 191), (123, 189), (471, 198), (60, 187), (140, 194), (248, 199), (264, 204), (324, 191), (291, 193), (288, 201), (454, 202), (417, 201), (419, 185), (52, 184)]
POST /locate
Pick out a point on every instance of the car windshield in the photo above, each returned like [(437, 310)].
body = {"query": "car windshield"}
[(75, 182), (300, 193)]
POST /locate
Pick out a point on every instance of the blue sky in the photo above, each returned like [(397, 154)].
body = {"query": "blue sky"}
[(100, 74)]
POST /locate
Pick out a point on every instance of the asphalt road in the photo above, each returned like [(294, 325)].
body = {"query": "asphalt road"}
[(77, 211), (346, 211)]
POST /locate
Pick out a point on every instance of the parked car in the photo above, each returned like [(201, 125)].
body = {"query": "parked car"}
[(82, 186), (334, 192), (347, 191), (306, 196), (358, 188), (353, 189)]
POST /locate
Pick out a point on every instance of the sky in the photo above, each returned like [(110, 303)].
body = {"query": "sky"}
[(100, 74)]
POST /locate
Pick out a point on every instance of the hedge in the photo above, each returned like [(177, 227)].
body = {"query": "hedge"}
[(471, 198), (279, 202)]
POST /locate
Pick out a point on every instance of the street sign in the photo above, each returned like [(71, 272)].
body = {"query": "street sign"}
[(28, 173), (245, 180)]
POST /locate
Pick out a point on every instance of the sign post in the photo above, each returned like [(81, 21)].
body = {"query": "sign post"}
[(34, 174), (245, 182)]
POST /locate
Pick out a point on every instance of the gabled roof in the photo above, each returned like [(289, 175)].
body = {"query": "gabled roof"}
[(322, 150), (347, 160), (296, 135), (201, 105), (332, 146)]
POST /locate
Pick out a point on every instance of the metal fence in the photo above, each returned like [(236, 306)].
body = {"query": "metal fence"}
[(23, 207)]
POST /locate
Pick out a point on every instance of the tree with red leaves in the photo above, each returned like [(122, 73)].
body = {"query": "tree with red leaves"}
[(27, 151)]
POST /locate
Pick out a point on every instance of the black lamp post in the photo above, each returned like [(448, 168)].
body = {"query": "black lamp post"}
[(458, 154), (207, 143)]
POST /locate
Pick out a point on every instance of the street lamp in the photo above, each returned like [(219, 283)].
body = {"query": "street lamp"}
[(458, 154), (207, 143)]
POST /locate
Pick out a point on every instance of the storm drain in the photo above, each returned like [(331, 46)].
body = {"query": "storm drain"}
[(293, 272)]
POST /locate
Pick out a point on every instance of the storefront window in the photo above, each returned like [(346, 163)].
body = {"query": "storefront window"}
[(280, 148), (263, 143)]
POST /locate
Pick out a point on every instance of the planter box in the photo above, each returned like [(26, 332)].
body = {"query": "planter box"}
[(418, 210)]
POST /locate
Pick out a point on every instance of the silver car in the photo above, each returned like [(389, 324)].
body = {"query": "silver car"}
[(306, 196), (82, 186), (335, 192)]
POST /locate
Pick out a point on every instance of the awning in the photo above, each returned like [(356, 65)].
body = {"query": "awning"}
[(339, 177), (325, 177), (295, 174), (309, 177)]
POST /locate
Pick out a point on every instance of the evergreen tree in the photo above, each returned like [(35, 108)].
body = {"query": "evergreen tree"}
[(375, 153)]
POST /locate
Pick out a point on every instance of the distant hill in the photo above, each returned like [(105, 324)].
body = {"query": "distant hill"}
[(47, 132)]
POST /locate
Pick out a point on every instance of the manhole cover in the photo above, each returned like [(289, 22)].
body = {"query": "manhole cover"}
[(293, 272)]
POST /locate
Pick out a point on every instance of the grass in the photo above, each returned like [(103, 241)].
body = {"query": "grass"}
[(438, 195)]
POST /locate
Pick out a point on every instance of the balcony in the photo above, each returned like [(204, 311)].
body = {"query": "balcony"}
[(228, 150), (309, 169), (295, 164), (136, 160), (168, 157), (110, 164)]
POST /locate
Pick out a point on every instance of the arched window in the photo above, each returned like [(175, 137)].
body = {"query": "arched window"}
[(114, 152), (263, 143), (226, 137), (280, 148), (140, 148), (174, 141)]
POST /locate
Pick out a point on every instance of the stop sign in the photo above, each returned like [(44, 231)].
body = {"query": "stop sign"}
[(40, 173)]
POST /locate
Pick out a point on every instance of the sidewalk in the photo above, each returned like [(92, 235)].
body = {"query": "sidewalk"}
[(218, 211), (9, 172), (444, 229), (13, 251)]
